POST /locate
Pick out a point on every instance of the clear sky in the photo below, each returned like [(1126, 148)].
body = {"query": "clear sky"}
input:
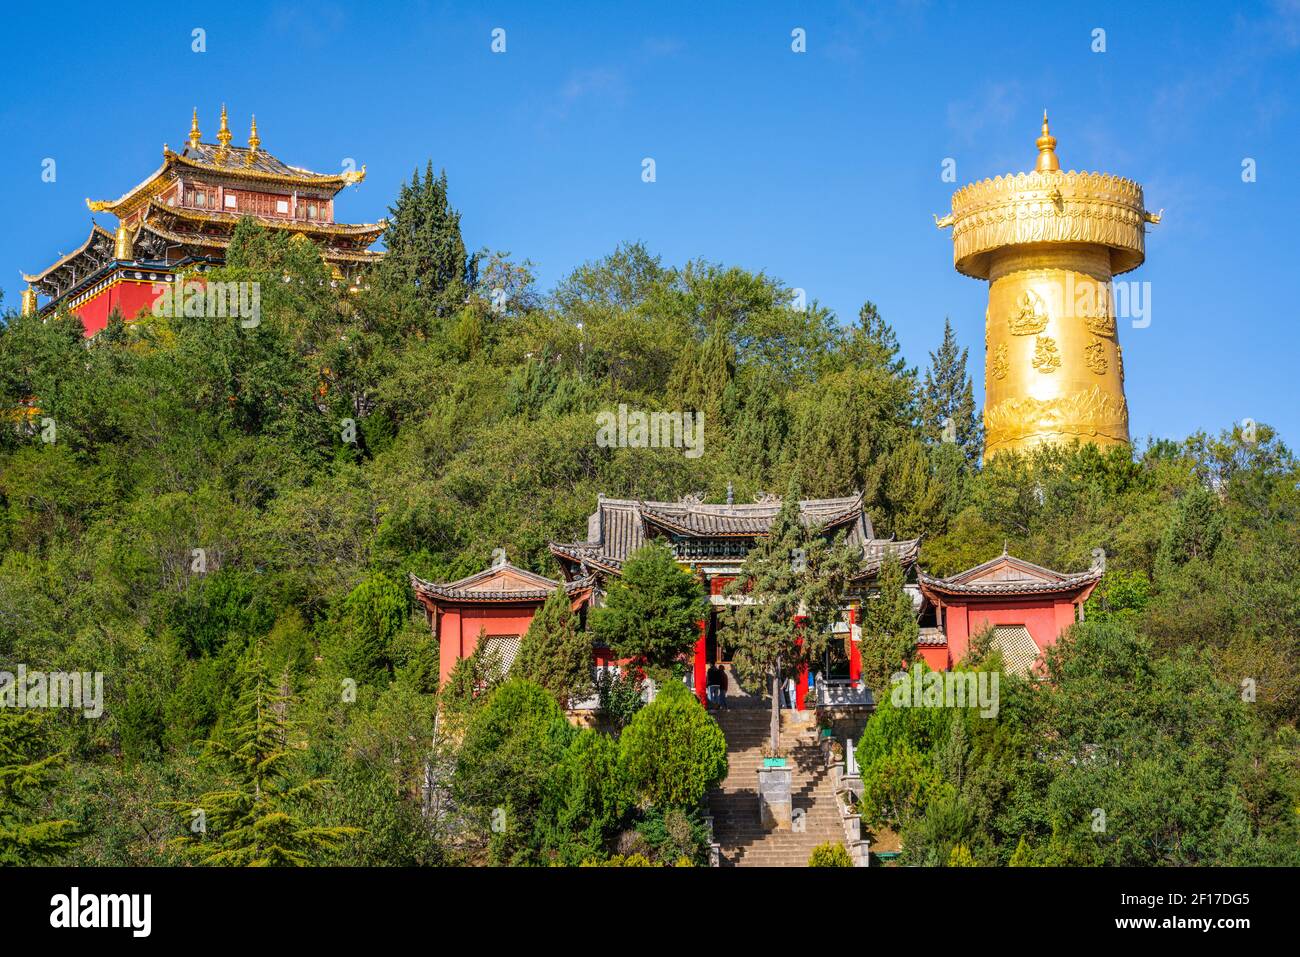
[(821, 168)]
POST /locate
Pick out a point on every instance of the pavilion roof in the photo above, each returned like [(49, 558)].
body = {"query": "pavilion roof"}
[(235, 162), (619, 527), (498, 583), (1007, 575), (86, 258)]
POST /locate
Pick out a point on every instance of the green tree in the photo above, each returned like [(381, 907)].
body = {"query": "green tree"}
[(790, 589), (651, 611), (27, 835), (554, 653), (425, 251), (889, 627), (256, 820), (947, 407), (506, 766), (673, 751)]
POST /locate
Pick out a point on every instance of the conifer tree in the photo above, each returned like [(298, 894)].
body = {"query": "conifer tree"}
[(25, 836), (554, 653), (889, 628), (791, 584), (425, 250), (948, 396), (255, 820), (651, 611)]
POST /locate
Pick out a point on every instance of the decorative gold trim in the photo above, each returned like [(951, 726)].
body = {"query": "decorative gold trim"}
[(1046, 356), (1092, 412)]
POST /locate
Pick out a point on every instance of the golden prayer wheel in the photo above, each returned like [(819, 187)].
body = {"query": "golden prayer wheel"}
[(1049, 243)]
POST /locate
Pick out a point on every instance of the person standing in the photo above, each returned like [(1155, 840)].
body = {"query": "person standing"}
[(717, 685)]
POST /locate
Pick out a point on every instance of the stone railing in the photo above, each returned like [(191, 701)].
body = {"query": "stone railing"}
[(841, 692), (847, 788)]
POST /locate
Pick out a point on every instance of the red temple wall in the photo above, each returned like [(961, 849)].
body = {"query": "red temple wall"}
[(128, 296), (458, 628), (1043, 619)]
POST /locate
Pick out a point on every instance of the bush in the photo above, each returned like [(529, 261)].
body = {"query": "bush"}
[(586, 800), (675, 835), (507, 762), (673, 751), (830, 854), (618, 694)]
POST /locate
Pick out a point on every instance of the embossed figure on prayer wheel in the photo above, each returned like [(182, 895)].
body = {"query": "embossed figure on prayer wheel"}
[(1049, 243)]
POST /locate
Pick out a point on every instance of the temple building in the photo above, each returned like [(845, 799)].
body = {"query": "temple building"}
[(1026, 605), (181, 218), (498, 603)]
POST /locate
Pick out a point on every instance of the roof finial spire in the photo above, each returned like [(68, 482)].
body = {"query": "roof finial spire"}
[(1047, 161), (195, 135), (254, 141), (223, 134)]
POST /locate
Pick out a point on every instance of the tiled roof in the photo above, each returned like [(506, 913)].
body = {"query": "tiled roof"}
[(1008, 575), (619, 527), (499, 583), (235, 162), (98, 245), (932, 638)]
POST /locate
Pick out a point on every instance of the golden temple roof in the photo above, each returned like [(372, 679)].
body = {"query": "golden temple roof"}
[(247, 163)]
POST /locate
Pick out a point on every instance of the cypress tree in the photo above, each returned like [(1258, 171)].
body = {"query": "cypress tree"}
[(554, 653), (25, 769), (254, 821), (889, 628), (948, 395)]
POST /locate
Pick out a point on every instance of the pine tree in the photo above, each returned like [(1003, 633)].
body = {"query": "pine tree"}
[(554, 653), (889, 628), (25, 836), (255, 820), (424, 248), (792, 580), (948, 412), (651, 611)]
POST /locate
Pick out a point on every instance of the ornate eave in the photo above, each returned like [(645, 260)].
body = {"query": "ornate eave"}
[(500, 584), (88, 258), (366, 233), (1009, 577), (234, 162)]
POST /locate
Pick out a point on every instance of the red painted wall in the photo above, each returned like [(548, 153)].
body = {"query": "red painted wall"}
[(1045, 619), (458, 628), (128, 296)]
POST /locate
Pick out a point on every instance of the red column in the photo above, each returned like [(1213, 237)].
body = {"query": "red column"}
[(801, 683), (700, 666), (855, 651)]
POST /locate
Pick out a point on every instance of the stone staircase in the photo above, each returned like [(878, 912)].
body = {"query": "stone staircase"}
[(743, 841)]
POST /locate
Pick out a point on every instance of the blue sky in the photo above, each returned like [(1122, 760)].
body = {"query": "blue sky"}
[(821, 168)]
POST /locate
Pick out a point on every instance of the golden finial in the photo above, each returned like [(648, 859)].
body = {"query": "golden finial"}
[(223, 134), (123, 245), (1047, 161), (194, 129), (254, 141)]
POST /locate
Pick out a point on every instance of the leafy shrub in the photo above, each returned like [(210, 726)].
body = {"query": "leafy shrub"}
[(674, 835), (829, 854), (673, 751)]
